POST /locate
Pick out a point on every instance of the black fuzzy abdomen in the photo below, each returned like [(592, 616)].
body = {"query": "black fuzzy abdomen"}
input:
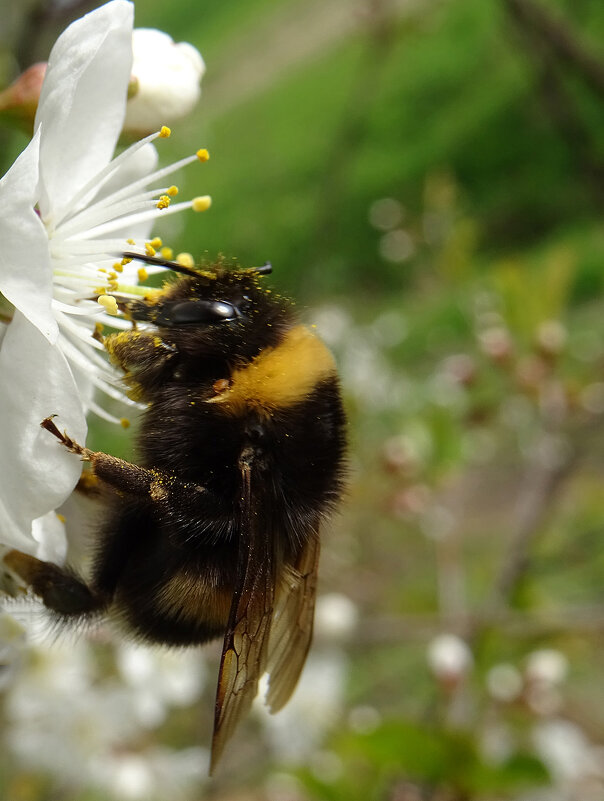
[(166, 583), (170, 565)]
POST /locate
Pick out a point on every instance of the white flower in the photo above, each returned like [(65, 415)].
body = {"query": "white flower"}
[(547, 666), (165, 77), (296, 732), (449, 657), (65, 719), (68, 211), (336, 616), (504, 682), (159, 679), (567, 751)]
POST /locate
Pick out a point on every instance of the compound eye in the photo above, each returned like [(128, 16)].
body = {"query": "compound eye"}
[(196, 312)]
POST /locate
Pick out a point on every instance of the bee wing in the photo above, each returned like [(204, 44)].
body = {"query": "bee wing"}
[(291, 629), (245, 643)]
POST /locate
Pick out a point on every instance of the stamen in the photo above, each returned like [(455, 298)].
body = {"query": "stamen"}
[(201, 203), (84, 240), (97, 181), (109, 303), (111, 208), (105, 378)]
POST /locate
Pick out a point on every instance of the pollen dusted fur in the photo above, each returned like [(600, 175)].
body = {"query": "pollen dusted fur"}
[(215, 532)]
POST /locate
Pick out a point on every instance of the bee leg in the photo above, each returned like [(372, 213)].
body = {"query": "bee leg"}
[(134, 480), (123, 476), (59, 589)]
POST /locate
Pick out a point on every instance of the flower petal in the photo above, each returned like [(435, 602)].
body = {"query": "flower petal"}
[(83, 102), (48, 532), (25, 269), (36, 473)]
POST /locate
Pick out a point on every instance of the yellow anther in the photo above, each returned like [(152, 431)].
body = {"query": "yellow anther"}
[(131, 241), (172, 191), (60, 517), (109, 303), (202, 203), (142, 274), (102, 269), (186, 260), (126, 260), (167, 253), (124, 422), (98, 329), (112, 286), (156, 243), (118, 267), (149, 249), (203, 154), (112, 276), (164, 132), (163, 202)]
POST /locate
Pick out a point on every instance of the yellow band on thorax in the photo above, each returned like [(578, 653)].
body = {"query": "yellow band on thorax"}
[(279, 376)]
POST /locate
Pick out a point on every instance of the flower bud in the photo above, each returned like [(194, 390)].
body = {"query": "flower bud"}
[(165, 80), (449, 659), (20, 99), (496, 343), (551, 338)]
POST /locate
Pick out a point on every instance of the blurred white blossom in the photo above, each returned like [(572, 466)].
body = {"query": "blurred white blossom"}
[(12, 650), (504, 682), (160, 679), (449, 658), (297, 731), (165, 80), (547, 665), (335, 616), (83, 726), (575, 764)]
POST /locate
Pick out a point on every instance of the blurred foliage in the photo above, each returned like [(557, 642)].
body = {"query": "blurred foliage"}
[(427, 177)]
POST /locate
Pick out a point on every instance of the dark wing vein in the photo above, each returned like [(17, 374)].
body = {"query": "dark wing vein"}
[(245, 644)]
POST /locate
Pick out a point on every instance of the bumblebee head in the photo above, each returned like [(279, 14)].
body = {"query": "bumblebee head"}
[(217, 313)]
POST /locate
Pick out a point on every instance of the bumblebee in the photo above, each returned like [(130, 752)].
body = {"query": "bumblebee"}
[(215, 532)]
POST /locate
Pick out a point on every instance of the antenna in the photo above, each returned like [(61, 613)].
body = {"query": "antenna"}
[(171, 265), (263, 269)]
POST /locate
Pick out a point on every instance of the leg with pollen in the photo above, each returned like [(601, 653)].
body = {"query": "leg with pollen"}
[(60, 589), (125, 476)]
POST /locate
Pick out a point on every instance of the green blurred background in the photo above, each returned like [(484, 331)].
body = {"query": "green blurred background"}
[(427, 179)]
